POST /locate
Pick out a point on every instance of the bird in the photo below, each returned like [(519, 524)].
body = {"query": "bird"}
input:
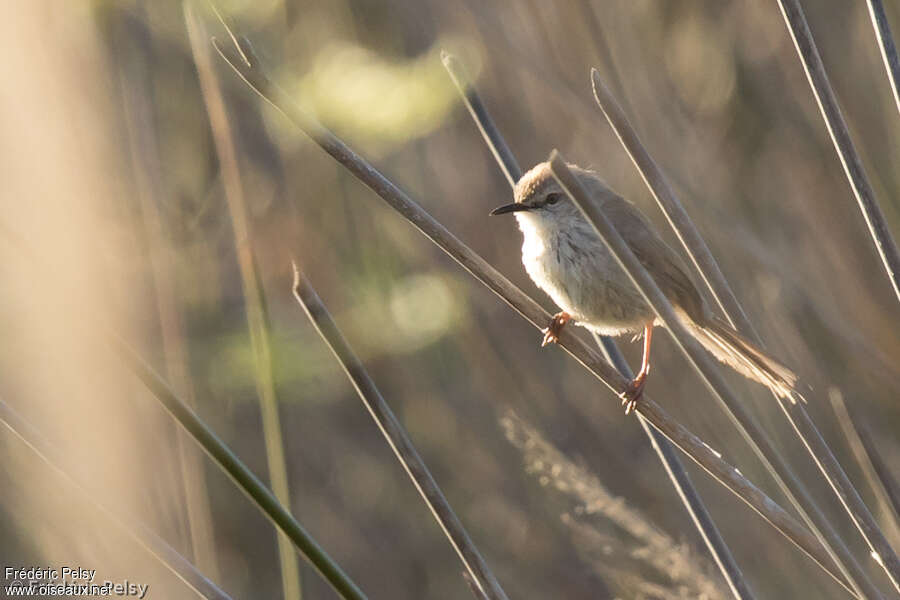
[(568, 260)]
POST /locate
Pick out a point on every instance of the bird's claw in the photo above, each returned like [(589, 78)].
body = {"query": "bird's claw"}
[(632, 394), (552, 331), (549, 337)]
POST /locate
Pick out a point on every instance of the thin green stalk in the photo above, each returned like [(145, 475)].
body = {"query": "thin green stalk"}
[(673, 466), (258, 493), (247, 67), (140, 533), (260, 339)]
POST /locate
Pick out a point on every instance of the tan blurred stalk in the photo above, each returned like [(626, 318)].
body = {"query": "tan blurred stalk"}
[(142, 535), (150, 183), (250, 281), (62, 190)]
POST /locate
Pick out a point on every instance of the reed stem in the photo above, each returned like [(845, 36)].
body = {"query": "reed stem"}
[(249, 483), (796, 413), (887, 46), (673, 466), (856, 174), (397, 438), (247, 67)]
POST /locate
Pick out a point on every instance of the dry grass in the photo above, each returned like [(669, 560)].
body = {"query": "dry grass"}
[(636, 556)]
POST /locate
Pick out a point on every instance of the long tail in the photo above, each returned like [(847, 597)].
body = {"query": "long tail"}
[(745, 357)]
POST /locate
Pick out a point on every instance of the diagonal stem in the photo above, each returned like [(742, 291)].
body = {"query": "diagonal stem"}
[(887, 46), (884, 243), (249, 483), (673, 466), (651, 293), (476, 568), (717, 284), (506, 160), (250, 71), (843, 144)]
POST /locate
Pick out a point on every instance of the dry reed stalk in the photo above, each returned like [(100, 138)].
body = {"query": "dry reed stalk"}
[(678, 475), (853, 168), (479, 574), (795, 412), (887, 46), (695, 354), (247, 67)]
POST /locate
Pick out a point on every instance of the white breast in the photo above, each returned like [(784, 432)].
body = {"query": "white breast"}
[(574, 267)]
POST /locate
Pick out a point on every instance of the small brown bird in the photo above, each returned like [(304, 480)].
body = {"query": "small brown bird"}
[(566, 258)]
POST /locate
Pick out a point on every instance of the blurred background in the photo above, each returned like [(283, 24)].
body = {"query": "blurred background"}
[(113, 175)]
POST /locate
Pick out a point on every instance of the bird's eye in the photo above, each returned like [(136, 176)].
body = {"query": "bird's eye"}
[(552, 198)]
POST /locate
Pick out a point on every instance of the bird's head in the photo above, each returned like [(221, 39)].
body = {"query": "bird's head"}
[(540, 201)]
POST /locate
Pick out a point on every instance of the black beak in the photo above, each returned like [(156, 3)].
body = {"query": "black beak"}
[(508, 208)]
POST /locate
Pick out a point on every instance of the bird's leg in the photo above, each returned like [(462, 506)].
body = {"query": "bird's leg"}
[(552, 331), (635, 389)]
